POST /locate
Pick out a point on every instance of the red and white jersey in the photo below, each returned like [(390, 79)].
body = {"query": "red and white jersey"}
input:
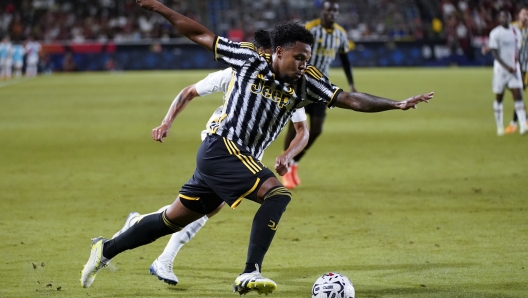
[(507, 41)]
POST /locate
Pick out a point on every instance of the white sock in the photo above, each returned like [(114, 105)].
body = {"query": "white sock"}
[(177, 240), (521, 113), (497, 109)]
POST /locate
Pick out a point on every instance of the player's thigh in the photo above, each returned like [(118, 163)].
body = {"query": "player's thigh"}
[(499, 82), (230, 171), (197, 196), (515, 80)]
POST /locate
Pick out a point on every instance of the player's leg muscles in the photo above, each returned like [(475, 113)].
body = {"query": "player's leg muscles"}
[(274, 198), (150, 228)]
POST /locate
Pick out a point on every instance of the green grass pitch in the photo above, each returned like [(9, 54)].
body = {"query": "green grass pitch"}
[(422, 203)]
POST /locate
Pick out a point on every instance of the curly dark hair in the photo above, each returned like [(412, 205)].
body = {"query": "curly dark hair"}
[(286, 34), (262, 38)]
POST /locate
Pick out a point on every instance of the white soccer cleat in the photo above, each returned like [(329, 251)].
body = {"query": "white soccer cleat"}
[(95, 263), (500, 131), (128, 223), (163, 270), (523, 130), (253, 281)]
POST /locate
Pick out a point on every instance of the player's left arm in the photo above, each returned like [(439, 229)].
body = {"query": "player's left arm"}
[(296, 146), (363, 102), (345, 62)]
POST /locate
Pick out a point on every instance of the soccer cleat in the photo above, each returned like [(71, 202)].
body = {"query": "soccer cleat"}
[(253, 281), (510, 129), (163, 270), (523, 130), (128, 223), (287, 180), (95, 263), (293, 170), (500, 131)]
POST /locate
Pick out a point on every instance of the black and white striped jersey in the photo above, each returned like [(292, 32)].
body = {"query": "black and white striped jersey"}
[(328, 42), (258, 106), (523, 50)]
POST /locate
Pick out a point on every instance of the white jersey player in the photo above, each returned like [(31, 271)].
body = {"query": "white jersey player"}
[(504, 43), (33, 51), (219, 81), (5, 58)]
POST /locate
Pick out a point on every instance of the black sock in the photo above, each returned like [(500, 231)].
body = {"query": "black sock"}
[(265, 223), (515, 118), (145, 231), (298, 157)]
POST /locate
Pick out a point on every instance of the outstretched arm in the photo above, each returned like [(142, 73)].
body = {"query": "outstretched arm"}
[(363, 102), (348, 70), (191, 29), (178, 104), (296, 146)]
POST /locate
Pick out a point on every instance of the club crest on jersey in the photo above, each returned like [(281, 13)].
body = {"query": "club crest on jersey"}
[(267, 89)]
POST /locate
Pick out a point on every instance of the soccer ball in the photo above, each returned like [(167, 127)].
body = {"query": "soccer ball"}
[(333, 285)]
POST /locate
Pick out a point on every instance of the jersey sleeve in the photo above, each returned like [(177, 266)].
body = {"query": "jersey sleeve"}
[(299, 115), (493, 40), (319, 88), (214, 82), (235, 54)]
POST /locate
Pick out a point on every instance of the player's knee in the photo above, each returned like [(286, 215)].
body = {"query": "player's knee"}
[(278, 195)]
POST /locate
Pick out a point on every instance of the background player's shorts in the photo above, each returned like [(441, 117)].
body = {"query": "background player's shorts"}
[(502, 79), (18, 64), (224, 172), (316, 109)]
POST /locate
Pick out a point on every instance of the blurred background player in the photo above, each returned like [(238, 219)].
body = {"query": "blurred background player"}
[(522, 26), (330, 38), (5, 58), (504, 43), (17, 56), (218, 81), (33, 51)]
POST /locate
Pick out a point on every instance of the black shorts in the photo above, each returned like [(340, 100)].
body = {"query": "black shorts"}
[(224, 172), (316, 109)]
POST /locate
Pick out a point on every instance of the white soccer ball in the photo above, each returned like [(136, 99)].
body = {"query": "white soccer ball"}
[(333, 285)]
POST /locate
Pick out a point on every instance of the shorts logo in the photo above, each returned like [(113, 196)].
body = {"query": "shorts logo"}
[(274, 226), (267, 90)]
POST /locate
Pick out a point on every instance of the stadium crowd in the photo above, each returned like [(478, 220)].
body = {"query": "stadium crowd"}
[(122, 21)]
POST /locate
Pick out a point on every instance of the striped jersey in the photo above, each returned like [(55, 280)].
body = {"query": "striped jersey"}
[(328, 42), (258, 106), (523, 51)]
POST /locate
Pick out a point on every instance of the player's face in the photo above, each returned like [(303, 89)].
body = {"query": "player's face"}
[(292, 61), (329, 12), (504, 18), (523, 16)]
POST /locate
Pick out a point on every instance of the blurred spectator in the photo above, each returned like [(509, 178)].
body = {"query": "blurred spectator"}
[(123, 21)]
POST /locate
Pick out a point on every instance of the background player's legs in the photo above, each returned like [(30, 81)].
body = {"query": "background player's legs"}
[(498, 112), (519, 109), (162, 266)]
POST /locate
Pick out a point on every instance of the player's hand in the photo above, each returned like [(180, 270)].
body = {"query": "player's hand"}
[(510, 69), (484, 50), (147, 4), (413, 101), (160, 132), (281, 165)]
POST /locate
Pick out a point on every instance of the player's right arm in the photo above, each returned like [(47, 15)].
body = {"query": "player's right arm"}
[(178, 104), (191, 29), (494, 49)]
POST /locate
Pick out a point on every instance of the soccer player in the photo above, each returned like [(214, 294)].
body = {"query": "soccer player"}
[(33, 55), (5, 58), (522, 26), (264, 93), (214, 82), (330, 39), (504, 42), (18, 58)]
